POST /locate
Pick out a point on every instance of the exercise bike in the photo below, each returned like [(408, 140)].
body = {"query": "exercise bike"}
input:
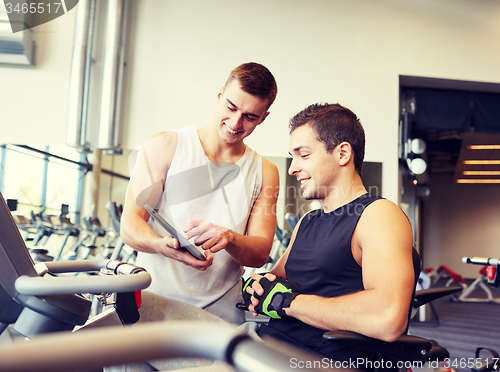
[(42, 298)]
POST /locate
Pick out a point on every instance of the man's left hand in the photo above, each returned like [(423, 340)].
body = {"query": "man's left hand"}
[(270, 295)]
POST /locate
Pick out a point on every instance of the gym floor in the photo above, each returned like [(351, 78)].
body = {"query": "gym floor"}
[(463, 327)]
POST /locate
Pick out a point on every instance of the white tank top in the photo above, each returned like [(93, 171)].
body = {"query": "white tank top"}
[(196, 188)]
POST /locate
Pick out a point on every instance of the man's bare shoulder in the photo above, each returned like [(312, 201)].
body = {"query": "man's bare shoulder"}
[(162, 142), (383, 217), (160, 150), (384, 207), (167, 137), (270, 178), (270, 174), (268, 166)]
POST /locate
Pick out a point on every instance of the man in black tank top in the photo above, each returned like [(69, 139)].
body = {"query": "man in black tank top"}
[(350, 263)]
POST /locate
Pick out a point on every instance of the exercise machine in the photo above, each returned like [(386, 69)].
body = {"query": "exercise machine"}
[(292, 220), (121, 251), (95, 231), (426, 314), (491, 265), (481, 282), (34, 299), (24, 224), (44, 227), (68, 230), (98, 348)]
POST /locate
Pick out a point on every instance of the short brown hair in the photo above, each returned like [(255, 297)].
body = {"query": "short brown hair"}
[(334, 124), (255, 79)]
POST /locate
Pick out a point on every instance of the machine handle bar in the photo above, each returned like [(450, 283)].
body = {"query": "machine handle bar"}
[(93, 349), (128, 278), (481, 261)]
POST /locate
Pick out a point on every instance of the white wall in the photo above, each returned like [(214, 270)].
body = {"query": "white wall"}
[(346, 51), (460, 220), (33, 101)]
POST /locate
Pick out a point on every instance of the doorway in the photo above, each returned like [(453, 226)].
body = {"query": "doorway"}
[(449, 155)]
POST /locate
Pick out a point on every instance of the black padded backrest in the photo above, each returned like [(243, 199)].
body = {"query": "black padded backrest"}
[(417, 267), (14, 262)]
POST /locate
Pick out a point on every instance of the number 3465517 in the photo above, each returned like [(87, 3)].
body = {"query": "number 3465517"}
[(32, 8)]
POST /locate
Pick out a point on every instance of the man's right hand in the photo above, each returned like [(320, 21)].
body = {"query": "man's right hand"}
[(170, 247)]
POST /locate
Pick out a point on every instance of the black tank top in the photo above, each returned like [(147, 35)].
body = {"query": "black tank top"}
[(321, 263)]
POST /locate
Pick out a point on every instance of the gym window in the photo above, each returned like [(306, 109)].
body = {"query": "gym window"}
[(42, 177)]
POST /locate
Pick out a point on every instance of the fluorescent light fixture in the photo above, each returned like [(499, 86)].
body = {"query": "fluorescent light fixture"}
[(461, 180), (484, 147), (482, 162), (481, 173)]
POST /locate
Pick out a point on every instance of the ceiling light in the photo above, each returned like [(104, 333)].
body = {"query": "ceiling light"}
[(481, 173), (460, 180), (484, 147), (418, 146), (482, 162), (418, 166)]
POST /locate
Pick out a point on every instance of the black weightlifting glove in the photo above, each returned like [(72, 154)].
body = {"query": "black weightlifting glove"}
[(277, 295)]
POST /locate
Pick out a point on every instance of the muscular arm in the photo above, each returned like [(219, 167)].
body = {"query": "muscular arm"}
[(146, 186), (134, 229), (156, 154), (382, 243), (252, 249)]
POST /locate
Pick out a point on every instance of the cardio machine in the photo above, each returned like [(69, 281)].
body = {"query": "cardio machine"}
[(120, 251), (36, 304), (34, 300)]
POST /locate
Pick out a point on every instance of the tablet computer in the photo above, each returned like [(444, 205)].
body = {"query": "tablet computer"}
[(194, 250)]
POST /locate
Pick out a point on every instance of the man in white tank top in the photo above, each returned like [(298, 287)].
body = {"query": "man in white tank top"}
[(209, 185)]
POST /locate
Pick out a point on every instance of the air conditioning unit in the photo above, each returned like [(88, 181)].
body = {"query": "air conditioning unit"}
[(16, 48)]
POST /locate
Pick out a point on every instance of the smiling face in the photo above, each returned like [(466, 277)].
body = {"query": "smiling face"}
[(238, 113), (314, 167)]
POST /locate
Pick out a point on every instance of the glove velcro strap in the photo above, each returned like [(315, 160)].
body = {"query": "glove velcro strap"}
[(277, 294), (273, 302)]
